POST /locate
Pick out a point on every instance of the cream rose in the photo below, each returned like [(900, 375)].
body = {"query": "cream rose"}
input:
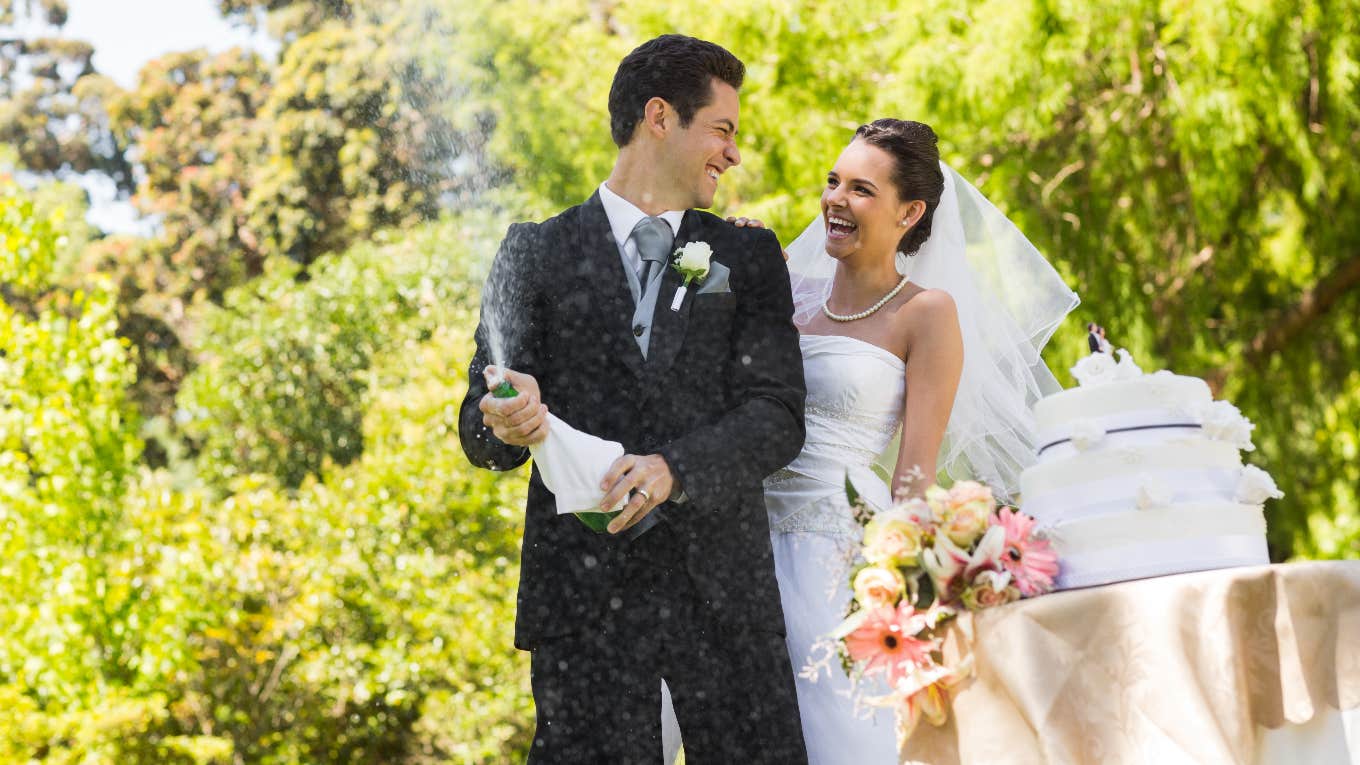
[(890, 537), (917, 511), (967, 509), (876, 586)]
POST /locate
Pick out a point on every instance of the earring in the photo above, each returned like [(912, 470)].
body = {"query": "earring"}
[(902, 223)]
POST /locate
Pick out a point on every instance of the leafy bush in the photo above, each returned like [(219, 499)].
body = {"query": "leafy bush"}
[(364, 615)]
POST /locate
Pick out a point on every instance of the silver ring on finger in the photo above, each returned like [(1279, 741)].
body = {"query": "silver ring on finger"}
[(646, 495)]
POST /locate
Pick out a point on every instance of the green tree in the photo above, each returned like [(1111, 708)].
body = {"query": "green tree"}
[(50, 96)]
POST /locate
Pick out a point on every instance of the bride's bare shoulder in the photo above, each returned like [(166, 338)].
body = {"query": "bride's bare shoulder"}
[(932, 302), (927, 311)]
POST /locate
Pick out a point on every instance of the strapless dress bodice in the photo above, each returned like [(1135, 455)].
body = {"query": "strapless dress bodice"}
[(855, 392)]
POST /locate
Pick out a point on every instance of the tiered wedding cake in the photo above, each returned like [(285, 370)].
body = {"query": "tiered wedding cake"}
[(1140, 475)]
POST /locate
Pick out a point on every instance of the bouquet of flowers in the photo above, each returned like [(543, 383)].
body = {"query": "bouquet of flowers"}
[(924, 560)]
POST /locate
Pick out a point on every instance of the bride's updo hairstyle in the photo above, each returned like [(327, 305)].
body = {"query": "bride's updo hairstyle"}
[(916, 169)]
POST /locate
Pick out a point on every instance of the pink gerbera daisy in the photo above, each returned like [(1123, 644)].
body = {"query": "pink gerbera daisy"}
[(1030, 559), (886, 640)]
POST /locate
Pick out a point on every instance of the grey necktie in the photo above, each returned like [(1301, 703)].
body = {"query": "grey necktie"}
[(653, 237)]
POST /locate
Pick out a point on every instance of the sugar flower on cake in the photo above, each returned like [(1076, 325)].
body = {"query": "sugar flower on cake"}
[(1224, 422), (1152, 492), (885, 641), (1095, 369), (1087, 434), (1029, 558), (1255, 486), (1126, 369)]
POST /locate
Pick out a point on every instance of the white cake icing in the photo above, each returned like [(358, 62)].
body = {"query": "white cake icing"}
[(1141, 475)]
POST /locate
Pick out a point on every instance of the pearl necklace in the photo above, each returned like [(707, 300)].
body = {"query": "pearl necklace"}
[(871, 309)]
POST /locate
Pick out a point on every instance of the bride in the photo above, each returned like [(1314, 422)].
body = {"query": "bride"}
[(921, 311)]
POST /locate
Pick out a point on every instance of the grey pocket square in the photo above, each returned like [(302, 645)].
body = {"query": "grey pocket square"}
[(716, 281)]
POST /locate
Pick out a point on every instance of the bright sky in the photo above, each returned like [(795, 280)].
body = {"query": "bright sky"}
[(128, 33)]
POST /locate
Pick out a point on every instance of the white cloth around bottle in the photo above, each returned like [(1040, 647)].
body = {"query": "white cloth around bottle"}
[(572, 464)]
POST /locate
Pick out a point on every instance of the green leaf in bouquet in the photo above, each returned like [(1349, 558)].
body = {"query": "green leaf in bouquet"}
[(859, 509), (851, 495), (925, 595)]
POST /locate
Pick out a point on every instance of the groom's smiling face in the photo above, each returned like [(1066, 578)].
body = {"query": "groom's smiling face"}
[(696, 155)]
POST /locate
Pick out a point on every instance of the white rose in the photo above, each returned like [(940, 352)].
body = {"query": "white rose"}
[(1094, 369), (1086, 434), (1126, 369), (915, 511), (1255, 486), (1152, 492), (1224, 422), (692, 259)]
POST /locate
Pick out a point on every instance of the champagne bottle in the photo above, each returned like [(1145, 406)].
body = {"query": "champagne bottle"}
[(597, 522)]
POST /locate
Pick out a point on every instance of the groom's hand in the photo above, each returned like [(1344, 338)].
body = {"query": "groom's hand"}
[(649, 479), (518, 421)]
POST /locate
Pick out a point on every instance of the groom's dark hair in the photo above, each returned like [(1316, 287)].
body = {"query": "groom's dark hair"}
[(916, 169), (676, 68)]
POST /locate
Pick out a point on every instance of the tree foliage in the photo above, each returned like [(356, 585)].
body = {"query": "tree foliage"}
[(50, 97), (360, 617), (236, 159)]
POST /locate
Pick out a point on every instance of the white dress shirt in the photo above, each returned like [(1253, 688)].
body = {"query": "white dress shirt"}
[(624, 216)]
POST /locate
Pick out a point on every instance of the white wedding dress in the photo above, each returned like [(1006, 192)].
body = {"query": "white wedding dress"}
[(855, 395)]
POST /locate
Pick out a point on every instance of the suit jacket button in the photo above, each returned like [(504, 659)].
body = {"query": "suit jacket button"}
[(638, 329)]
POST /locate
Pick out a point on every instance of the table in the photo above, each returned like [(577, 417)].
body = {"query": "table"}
[(1247, 665)]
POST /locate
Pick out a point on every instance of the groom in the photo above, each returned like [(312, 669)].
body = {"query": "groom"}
[(703, 386)]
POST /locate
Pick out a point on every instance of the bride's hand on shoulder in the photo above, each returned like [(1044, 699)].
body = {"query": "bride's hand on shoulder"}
[(744, 222)]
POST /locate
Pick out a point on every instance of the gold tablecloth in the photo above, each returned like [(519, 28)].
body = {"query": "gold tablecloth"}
[(1174, 669)]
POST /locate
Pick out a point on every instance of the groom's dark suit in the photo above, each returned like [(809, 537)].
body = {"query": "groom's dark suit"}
[(694, 599)]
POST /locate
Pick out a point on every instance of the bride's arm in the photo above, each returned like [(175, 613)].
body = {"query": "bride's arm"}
[(934, 362)]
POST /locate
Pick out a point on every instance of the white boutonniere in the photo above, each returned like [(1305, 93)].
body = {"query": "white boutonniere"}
[(691, 262)]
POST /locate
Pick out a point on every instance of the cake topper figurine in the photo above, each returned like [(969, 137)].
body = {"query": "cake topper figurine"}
[(1095, 338)]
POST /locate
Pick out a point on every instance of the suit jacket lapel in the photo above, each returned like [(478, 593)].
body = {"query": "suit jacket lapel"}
[(668, 327), (607, 273)]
